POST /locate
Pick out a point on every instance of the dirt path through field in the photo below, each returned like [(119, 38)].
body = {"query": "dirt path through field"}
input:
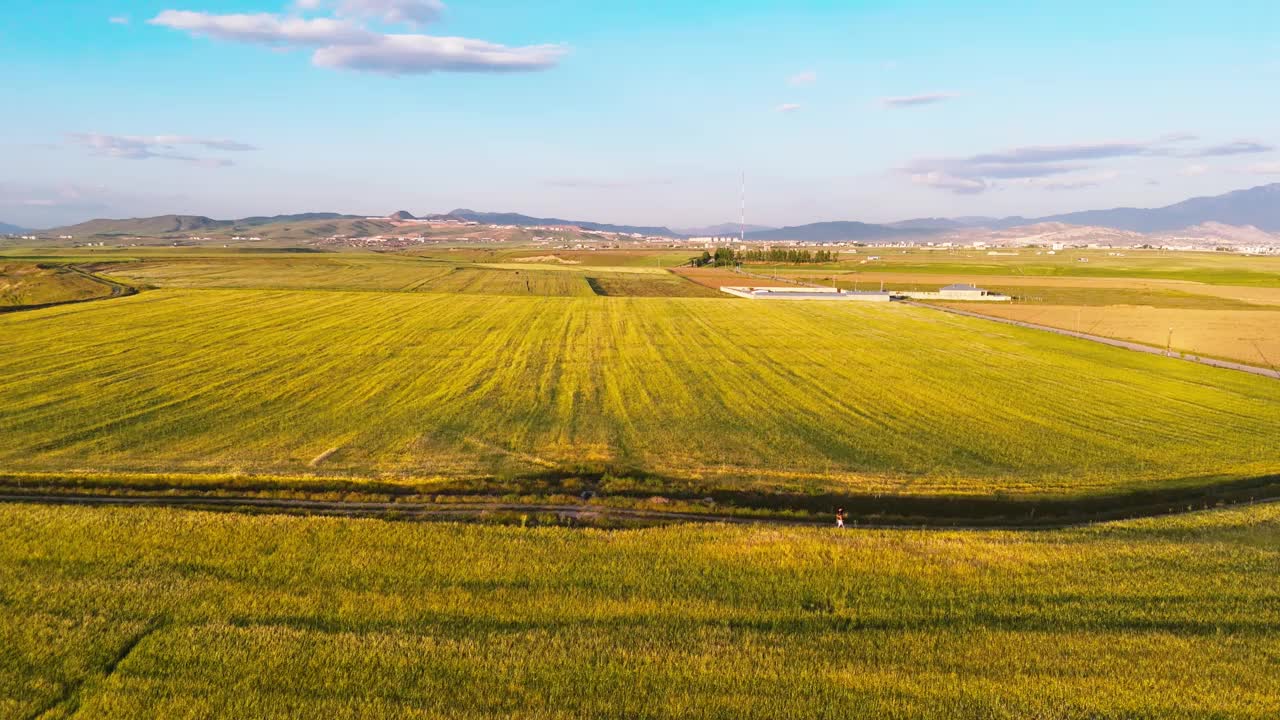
[(592, 514)]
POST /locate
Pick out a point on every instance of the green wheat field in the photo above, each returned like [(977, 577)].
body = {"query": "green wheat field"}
[(355, 375), (130, 613), (884, 399)]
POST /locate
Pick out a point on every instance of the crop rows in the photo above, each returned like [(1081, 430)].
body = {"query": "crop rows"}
[(890, 399), (152, 613)]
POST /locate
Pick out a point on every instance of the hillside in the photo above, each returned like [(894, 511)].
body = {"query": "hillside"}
[(160, 225), (722, 229), (7, 229), (527, 220), (1259, 207), (300, 217), (840, 231)]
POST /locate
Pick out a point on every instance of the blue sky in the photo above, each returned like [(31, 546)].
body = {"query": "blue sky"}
[(638, 112)]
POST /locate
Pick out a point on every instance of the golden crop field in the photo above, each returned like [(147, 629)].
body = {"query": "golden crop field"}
[(807, 397), (1250, 336), (135, 613), (401, 273)]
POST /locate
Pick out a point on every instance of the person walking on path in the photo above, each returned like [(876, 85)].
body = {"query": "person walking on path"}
[(840, 517)]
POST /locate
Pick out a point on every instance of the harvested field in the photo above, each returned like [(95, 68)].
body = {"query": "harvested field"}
[(716, 278), (369, 273), (648, 285), (1249, 336), (1012, 284)]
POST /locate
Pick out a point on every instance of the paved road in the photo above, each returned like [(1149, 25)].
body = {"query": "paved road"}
[(1265, 372)]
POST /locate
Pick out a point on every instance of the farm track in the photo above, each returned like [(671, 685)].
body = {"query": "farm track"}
[(1124, 344), (117, 290), (584, 514)]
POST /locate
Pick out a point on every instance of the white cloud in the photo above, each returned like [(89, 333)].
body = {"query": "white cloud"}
[(787, 107), (1238, 147), (942, 181), (1029, 165), (119, 20), (144, 147), (264, 28), (917, 100), (1078, 182), (343, 43), (801, 79), (417, 12), (417, 54), (1270, 168), (1194, 170)]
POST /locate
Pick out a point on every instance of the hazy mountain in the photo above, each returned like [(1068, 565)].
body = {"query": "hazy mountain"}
[(722, 229), (840, 231), (1259, 207), (1045, 233), (299, 217), (932, 224), (401, 215), (160, 225), (525, 221), (170, 224), (7, 229), (1217, 235)]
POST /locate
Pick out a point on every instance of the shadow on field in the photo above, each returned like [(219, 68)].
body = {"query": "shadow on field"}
[(604, 499)]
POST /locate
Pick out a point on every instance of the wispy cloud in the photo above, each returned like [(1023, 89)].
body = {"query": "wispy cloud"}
[(942, 181), (607, 184), (342, 42), (907, 101), (119, 20), (1194, 170), (1239, 147), (1269, 168), (801, 79), (975, 173), (419, 12), (787, 108), (167, 147), (1077, 182)]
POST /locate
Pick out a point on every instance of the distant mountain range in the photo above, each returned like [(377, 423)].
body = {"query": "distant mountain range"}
[(839, 231), (1254, 213), (169, 224), (1257, 207), (722, 230), (7, 229), (490, 218)]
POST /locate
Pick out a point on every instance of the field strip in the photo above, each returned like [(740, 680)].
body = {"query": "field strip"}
[(582, 512), (117, 290), (1137, 347)]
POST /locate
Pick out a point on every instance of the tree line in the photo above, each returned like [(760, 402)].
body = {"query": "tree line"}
[(727, 257)]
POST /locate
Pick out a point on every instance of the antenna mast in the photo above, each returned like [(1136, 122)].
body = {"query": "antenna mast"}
[(742, 225)]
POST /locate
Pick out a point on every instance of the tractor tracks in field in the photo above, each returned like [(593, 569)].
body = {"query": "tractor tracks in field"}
[(584, 514), (1124, 344)]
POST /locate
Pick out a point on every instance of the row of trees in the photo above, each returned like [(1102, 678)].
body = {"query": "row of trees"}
[(728, 257)]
